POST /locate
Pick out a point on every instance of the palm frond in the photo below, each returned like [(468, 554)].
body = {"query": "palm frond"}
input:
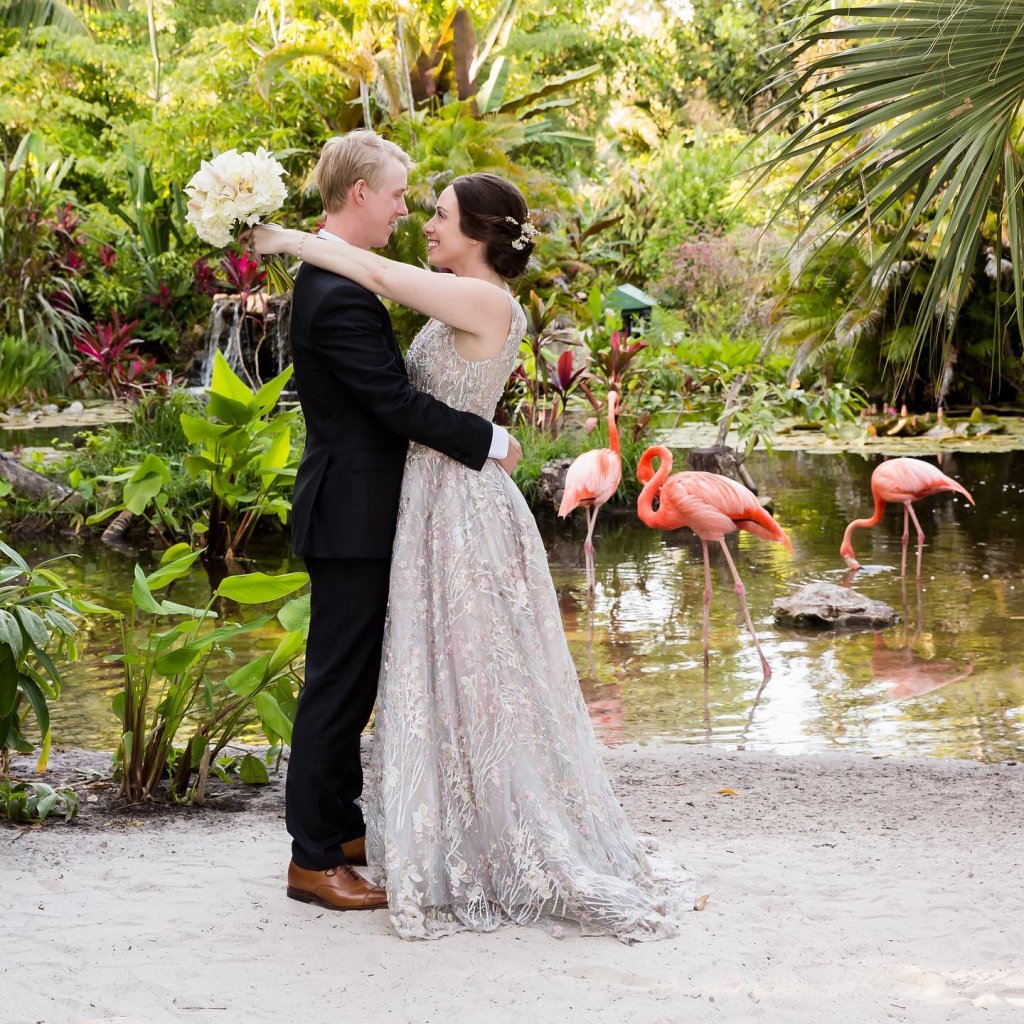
[(907, 110)]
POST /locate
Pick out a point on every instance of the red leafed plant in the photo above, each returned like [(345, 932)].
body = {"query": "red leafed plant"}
[(107, 361), (564, 381), (612, 366), (244, 274)]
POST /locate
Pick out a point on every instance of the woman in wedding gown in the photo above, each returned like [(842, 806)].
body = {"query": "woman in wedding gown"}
[(486, 799)]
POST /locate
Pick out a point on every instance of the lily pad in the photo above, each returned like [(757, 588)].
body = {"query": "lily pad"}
[(1006, 435)]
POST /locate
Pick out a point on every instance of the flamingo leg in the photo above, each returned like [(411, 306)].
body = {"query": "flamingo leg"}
[(920, 537), (905, 538), (707, 602), (740, 593), (588, 547)]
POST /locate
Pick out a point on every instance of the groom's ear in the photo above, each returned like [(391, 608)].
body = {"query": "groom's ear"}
[(357, 193)]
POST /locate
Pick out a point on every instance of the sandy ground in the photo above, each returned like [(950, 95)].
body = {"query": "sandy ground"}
[(843, 888)]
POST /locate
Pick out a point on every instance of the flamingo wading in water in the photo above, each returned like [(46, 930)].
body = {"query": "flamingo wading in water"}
[(591, 480), (904, 481), (711, 506)]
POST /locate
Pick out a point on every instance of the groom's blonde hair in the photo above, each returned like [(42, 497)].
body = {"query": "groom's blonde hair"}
[(345, 159)]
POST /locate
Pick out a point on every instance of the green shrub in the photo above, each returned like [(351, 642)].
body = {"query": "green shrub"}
[(36, 634), (27, 371)]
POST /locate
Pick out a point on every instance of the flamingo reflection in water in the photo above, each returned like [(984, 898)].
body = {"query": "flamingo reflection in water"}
[(906, 672)]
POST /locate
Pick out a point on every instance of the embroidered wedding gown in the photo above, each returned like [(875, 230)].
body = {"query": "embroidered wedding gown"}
[(486, 798)]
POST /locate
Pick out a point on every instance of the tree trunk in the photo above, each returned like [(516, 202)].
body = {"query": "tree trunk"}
[(27, 483), (719, 458)]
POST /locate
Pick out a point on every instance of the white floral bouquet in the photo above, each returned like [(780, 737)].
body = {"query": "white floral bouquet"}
[(236, 190)]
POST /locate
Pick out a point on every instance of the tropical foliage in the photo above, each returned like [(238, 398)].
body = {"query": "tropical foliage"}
[(175, 689), (39, 626), (900, 159)]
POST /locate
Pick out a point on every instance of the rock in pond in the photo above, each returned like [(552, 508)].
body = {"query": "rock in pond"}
[(827, 606)]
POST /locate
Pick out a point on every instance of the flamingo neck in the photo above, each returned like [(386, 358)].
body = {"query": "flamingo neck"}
[(613, 427), (652, 489), (857, 524)]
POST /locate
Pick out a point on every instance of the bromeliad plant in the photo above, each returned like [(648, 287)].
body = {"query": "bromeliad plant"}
[(533, 389), (564, 380), (174, 685), (108, 361), (37, 607)]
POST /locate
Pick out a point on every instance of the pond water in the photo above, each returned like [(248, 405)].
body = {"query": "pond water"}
[(947, 681)]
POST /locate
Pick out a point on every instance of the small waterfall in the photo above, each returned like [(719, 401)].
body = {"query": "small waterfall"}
[(254, 341)]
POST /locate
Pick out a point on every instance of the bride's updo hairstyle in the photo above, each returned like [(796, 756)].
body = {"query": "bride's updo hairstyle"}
[(494, 212)]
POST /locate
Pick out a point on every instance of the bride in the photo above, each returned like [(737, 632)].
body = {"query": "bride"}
[(487, 799)]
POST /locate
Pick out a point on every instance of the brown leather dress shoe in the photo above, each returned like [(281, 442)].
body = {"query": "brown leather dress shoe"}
[(354, 851), (338, 888)]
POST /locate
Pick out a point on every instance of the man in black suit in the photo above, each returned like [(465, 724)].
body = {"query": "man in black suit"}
[(360, 412)]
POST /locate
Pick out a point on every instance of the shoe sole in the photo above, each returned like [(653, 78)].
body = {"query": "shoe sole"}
[(307, 897)]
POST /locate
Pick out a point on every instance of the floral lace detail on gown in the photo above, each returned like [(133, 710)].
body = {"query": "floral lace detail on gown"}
[(486, 798)]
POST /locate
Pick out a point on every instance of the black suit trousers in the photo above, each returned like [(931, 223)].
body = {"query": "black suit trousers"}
[(349, 599)]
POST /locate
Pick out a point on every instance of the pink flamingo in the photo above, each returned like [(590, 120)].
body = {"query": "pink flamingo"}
[(711, 506), (591, 480), (904, 481)]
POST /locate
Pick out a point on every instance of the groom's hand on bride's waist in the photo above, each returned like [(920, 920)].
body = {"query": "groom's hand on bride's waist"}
[(511, 460)]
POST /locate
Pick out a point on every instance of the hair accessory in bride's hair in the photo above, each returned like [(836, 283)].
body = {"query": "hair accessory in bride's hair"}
[(526, 234)]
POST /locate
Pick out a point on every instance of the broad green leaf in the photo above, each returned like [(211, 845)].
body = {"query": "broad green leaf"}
[(230, 411), (258, 587), (179, 659), (59, 622), (225, 383), (10, 632), (145, 483), (173, 569), (103, 515), (199, 430), (294, 615), (38, 701), (275, 722), (141, 595), (246, 680), (267, 396), (33, 625), (9, 679), (276, 455), (197, 465), (253, 772), (46, 801), (174, 552), (196, 748), (286, 650), (173, 608), (14, 557)]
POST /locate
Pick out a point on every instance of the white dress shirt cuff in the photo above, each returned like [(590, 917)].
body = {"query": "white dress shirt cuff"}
[(499, 443)]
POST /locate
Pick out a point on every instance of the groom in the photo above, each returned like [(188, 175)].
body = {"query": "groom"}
[(360, 412)]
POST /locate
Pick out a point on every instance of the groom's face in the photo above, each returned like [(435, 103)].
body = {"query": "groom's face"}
[(382, 206)]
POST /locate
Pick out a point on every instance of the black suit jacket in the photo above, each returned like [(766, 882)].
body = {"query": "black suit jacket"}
[(360, 412)]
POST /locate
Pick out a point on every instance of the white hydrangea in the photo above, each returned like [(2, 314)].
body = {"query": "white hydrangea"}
[(234, 189)]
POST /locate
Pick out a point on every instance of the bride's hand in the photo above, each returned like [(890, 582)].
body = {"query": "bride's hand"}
[(269, 239)]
